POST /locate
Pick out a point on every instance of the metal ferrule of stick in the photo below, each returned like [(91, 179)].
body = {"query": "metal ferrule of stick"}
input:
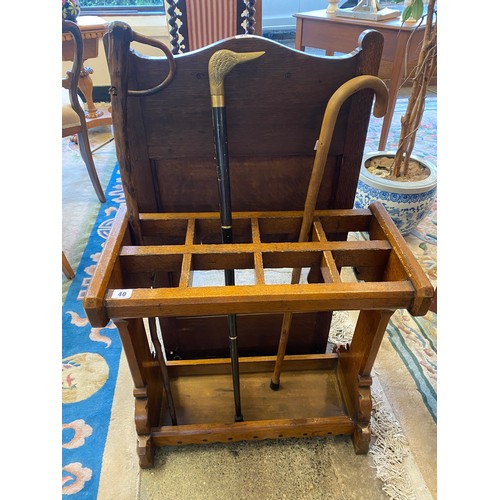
[(220, 64)]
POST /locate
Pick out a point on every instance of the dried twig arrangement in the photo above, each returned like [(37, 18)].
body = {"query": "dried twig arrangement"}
[(424, 71)]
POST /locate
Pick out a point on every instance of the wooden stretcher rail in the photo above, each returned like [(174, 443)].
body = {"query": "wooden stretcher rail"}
[(267, 223), (251, 431), (251, 364), (342, 248), (167, 257), (203, 301)]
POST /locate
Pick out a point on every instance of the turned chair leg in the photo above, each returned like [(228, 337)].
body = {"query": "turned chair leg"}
[(84, 146), (66, 267)]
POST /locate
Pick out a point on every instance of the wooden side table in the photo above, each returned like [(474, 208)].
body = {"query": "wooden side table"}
[(336, 34), (93, 29)]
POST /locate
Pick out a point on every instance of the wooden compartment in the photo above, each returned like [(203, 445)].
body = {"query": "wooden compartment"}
[(309, 404)]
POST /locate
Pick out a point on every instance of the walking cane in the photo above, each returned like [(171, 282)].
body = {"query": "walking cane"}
[(163, 369), (220, 64), (323, 147)]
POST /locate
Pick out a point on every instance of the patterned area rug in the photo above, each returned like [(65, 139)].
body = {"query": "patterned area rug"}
[(89, 367), (415, 339), (90, 357)]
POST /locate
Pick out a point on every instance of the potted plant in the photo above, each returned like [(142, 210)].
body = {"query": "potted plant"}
[(404, 183), (70, 9)]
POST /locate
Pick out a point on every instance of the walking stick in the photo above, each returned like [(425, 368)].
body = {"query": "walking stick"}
[(323, 147), (163, 369), (220, 64)]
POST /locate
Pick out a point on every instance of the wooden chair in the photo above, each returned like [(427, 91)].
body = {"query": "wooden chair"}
[(73, 115), (66, 267), (196, 23)]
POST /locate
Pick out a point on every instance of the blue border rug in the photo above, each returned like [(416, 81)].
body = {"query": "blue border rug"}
[(90, 360)]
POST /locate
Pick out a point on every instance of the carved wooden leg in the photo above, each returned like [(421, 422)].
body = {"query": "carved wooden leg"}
[(66, 267), (94, 117), (362, 434), (361, 439), (88, 159), (147, 385), (250, 28), (86, 85), (145, 452), (354, 369)]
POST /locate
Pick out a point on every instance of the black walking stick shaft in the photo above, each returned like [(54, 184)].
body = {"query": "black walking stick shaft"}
[(220, 64), (223, 181), (224, 188)]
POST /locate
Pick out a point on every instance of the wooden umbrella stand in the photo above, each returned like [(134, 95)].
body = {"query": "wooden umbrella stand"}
[(169, 233), (333, 389)]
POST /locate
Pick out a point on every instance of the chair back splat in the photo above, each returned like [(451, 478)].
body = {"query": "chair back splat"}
[(73, 115), (275, 106)]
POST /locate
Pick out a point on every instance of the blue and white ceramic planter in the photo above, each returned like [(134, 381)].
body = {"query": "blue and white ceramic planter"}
[(406, 202)]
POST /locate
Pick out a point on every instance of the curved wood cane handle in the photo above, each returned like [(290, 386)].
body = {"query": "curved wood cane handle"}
[(326, 133), (136, 37)]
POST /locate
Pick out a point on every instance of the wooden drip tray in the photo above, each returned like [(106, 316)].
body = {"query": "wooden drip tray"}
[(147, 271), (309, 404), (203, 391)]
